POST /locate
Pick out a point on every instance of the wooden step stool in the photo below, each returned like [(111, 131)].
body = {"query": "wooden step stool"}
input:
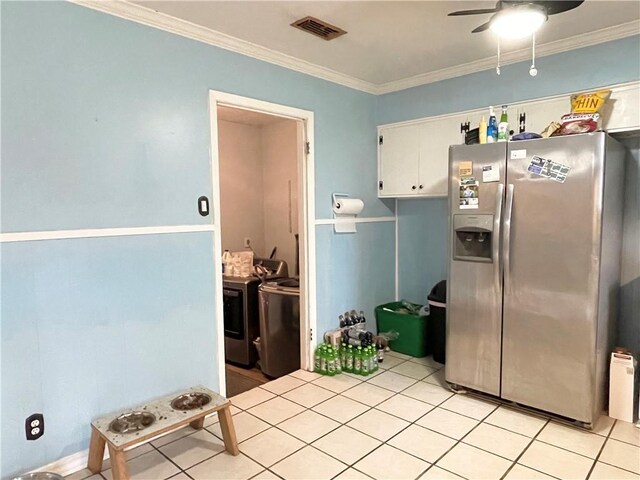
[(167, 419)]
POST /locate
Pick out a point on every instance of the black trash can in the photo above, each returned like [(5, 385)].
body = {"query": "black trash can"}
[(438, 320)]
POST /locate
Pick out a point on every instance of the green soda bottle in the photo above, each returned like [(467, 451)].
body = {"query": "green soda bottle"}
[(349, 364), (331, 362), (374, 359), (364, 368), (338, 356), (357, 361), (316, 358), (343, 357), (323, 360)]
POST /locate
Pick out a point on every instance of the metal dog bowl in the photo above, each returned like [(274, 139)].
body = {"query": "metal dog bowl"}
[(132, 422), (190, 401)]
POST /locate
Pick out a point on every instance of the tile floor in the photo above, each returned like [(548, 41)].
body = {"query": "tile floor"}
[(401, 423)]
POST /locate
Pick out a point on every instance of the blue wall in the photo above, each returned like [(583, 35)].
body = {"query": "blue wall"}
[(105, 124), (423, 248)]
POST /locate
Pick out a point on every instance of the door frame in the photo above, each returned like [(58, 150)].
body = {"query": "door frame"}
[(306, 220)]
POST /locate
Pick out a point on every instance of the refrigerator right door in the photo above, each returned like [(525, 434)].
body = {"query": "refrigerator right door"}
[(551, 255)]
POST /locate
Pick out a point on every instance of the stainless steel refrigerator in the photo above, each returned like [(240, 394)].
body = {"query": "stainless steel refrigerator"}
[(534, 268)]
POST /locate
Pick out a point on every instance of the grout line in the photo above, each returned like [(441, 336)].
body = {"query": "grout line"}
[(178, 466), (601, 449)]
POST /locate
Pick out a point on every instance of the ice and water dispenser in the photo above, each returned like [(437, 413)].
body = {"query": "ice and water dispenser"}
[(473, 237)]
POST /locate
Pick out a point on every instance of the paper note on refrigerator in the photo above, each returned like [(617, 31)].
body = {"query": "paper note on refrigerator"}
[(490, 174), (465, 168)]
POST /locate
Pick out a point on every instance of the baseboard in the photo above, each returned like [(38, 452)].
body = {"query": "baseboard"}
[(69, 464)]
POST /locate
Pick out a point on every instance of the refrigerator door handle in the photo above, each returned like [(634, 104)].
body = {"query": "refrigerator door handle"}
[(507, 239), (497, 221)]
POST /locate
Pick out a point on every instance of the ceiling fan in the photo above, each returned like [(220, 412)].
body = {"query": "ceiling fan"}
[(519, 18)]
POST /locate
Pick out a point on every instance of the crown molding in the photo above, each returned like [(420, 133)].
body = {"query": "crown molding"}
[(152, 18), (558, 46)]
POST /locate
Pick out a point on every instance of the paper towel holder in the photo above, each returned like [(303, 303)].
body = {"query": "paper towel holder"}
[(345, 221)]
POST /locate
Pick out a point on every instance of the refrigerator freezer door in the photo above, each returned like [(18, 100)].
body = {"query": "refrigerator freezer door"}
[(474, 290), (551, 268)]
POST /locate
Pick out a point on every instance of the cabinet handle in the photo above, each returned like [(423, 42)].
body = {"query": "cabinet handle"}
[(413, 187), (421, 187)]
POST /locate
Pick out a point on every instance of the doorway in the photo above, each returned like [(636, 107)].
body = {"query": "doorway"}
[(262, 183)]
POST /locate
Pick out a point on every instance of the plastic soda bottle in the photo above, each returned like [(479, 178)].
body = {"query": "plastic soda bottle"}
[(338, 357), (331, 362), (364, 362), (343, 357), (316, 359), (357, 361), (349, 364), (323, 360)]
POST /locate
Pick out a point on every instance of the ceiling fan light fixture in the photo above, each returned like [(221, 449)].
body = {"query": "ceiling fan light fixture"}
[(518, 21)]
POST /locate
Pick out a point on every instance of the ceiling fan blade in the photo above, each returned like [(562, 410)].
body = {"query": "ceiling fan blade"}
[(558, 6), (481, 28), (478, 11)]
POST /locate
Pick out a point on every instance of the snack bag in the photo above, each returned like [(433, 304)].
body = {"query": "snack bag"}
[(584, 116)]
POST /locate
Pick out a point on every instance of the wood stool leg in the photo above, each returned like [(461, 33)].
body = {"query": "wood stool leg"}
[(197, 424), (96, 451), (228, 430), (118, 464)]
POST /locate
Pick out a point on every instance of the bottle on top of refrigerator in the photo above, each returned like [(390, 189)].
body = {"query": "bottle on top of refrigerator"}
[(492, 128), (482, 130), (503, 126)]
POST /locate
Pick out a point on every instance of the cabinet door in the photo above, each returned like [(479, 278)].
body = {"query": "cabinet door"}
[(398, 161), (435, 138)]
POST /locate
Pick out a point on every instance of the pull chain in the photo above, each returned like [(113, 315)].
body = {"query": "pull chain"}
[(533, 71)]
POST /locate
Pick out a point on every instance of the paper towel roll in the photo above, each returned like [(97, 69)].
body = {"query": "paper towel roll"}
[(348, 206)]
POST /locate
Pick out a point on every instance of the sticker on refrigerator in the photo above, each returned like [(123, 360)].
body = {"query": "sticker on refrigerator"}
[(490, 174), (549, 169), (465, 168), (469, 193)]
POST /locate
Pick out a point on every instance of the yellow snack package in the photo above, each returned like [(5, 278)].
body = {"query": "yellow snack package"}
[(590, 102)]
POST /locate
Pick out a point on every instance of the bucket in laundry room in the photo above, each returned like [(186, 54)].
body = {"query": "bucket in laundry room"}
[(438, 320)]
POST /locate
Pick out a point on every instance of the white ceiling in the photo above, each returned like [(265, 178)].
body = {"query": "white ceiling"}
[(386, 41)]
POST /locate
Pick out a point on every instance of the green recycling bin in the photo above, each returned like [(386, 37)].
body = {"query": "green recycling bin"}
[(412, 329)]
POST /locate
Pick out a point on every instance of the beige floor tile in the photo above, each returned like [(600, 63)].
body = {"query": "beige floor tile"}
[(340, 408), (192, 449), (225, 467), (390, 362), (603, 425), (437, 378), (392, 381), (308, 426), (407, 408), (471, 462), (270, 446), (602, 471), (276, 410), (447, 423), (80, 475), (283, 384), (413, 370), (352, 474), (266, 475), (246, 426), (497, 440), (338, 383), (626, 432), (305, 375), (572, 439), (308, 395), (147, 466), (516, 421), (422, 443), (427, 362), (469, 406), (399, 355), (427, 392), (387, 463), (251, 398), (437, 473), (556, 462), (131, 454), (368, 394), (180, 476), (346, 444), (173, 436), (308, 463), (622, 455), (520, 472), (357, 376), (378, 424)]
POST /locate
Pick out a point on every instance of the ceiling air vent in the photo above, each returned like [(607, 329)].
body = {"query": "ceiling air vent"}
[(318, 28)]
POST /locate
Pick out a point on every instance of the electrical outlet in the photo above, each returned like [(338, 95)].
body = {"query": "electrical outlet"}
[(34, 426), (247, 242)]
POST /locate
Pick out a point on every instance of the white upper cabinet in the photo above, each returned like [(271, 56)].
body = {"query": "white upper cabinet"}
[(413, 157)]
